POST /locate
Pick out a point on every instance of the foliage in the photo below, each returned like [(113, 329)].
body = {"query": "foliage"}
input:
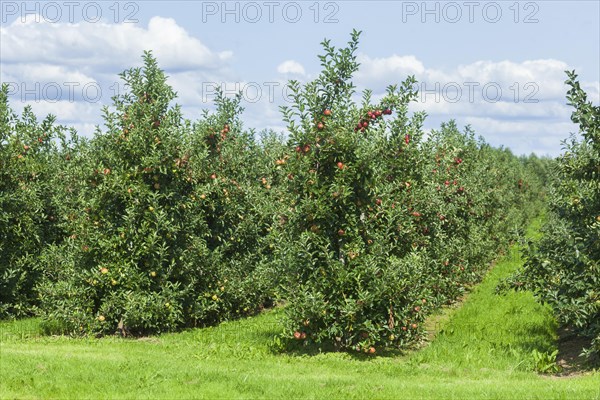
[(478, 353), (545, 363), (384, 225), (563, 268), (28, 219), (359, 220), (161, 233)]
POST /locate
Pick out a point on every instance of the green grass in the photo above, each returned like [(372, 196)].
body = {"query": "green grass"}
[(482, 350)]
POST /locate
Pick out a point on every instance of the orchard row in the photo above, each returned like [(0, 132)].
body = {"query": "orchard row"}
[(356, 221), (563, 269)]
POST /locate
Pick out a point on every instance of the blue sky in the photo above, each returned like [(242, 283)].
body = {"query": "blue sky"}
[(497, 66)]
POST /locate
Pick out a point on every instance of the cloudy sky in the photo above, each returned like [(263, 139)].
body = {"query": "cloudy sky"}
[(497, 66)]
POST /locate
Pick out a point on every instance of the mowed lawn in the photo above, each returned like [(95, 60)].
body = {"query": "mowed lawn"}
[(482, 350)]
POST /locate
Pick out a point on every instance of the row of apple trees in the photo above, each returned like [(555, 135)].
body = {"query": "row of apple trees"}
[(358, 222), (563, 268)]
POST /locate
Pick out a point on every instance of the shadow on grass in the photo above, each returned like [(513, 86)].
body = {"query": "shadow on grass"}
[(539, 337), (293, 348)]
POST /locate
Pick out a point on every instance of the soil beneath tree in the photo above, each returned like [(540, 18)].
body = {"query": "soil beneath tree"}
[(570, 347)]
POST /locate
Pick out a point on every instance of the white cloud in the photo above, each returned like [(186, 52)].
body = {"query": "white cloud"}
[(530, 112), (106, 45), (520, 105), (545, 77), (291, 67), (43, 72), (81, 62), (401, 65), (378, 73), (533, 79), (524, 136)]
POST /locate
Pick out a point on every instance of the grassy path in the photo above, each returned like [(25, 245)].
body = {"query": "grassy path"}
[(483, 350)]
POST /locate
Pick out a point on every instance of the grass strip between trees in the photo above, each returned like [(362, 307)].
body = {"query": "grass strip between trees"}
[(482, 349)]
